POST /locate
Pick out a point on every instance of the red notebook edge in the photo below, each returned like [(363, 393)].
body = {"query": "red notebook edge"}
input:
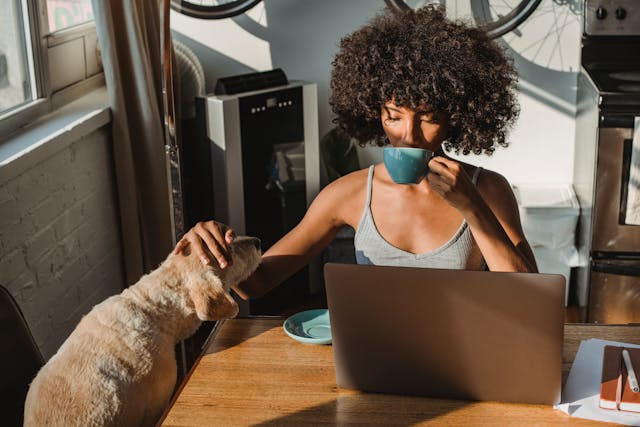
[(615, 391)]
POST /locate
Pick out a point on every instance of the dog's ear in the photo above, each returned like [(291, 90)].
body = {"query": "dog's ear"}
[(211, 300)]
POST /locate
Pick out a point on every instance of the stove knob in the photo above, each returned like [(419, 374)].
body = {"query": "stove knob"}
[(601, 13), (621, 13)]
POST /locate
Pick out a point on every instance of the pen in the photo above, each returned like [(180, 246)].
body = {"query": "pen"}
[(631, 375)]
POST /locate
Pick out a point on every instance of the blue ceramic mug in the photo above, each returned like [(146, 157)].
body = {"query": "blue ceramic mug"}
[(407, 165)]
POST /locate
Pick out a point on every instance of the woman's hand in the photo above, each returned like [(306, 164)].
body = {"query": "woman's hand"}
[(449, 179), (209, 240)]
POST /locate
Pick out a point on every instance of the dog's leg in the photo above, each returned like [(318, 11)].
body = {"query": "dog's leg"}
[(160, 388)]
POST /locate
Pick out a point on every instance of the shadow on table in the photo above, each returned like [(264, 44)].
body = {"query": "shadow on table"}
[(370, 409)]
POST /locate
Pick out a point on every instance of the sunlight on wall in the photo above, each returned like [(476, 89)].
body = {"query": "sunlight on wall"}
[(227, 38), (541, 146), (549, 37)]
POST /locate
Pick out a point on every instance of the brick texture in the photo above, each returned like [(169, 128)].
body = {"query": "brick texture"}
[(60, 250)]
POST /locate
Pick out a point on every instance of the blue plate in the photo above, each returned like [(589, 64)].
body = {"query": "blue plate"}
[(309, 327)]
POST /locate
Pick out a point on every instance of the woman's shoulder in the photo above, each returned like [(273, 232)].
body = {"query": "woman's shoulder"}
[(486, 179), (495, 190), (490, 181), (493, 186), (346, 187), (344, 197), (350, 182)]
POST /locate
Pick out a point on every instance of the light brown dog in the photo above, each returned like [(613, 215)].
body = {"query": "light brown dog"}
[(118, 368)]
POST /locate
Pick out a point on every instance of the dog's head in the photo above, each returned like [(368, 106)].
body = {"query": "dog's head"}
[(209, 285)]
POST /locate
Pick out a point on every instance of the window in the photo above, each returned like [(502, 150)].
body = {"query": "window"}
[(17, 80), (48, 56), (63, 14)]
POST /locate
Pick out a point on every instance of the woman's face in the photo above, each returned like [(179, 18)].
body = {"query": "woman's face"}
[(419, 128)]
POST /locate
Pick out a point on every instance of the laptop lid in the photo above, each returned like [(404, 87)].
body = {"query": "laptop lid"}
[(473, 335)]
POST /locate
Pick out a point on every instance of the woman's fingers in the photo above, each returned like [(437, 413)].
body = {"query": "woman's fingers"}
[(449, 179), (440, 169), (438, 183), (446, 166), (211, 248), (229, 236), (448, 163), (180, 246), (215, 241), (208, 240), (444, 176)]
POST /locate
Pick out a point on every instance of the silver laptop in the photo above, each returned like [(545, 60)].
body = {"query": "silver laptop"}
[(472, 335)]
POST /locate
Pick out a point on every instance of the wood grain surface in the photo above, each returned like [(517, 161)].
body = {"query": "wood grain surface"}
[(252, 373)]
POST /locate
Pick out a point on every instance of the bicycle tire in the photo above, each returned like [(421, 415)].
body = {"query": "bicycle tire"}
[(494, 29), (220, 11)]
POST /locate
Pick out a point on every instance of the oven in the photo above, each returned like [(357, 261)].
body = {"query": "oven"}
[(607, 162)]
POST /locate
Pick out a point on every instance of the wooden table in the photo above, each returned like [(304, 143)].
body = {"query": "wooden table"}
[(251, 373)]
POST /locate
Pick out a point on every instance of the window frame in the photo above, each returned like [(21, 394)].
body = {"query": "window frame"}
[(47, 98)]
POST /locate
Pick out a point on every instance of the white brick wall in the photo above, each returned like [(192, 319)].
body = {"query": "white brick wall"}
[(60, 251)]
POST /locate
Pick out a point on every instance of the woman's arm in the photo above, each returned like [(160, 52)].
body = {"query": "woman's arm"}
[(338, 204), (495, 225), (491, 211), (324, 218), (296, 249)]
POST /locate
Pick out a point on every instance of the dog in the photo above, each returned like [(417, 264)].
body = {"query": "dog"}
[(118, 367)]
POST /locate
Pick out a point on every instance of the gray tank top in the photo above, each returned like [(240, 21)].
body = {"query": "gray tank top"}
[(460, 253)]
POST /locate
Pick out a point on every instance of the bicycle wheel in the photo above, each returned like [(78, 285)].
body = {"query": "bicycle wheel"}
[(212, 9), (496, 17)]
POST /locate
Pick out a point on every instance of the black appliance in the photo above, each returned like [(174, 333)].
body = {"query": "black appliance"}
[(265, 168)]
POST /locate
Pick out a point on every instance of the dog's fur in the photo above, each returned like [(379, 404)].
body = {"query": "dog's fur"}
[(118, 368)]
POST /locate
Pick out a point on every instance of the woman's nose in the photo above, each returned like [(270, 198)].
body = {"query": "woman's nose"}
[(413, 134)]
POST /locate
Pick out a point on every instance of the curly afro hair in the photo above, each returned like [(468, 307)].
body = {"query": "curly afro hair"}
[(422, 58)]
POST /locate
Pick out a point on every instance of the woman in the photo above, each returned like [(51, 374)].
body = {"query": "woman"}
[(418, 80)]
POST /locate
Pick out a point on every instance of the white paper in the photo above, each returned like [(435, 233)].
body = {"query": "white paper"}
[(581, 393)]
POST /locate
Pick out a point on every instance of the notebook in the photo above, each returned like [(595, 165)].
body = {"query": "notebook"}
[(472, 335), (615, 388)]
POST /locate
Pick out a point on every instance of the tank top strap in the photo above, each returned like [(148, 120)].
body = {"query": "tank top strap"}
[(476, 174), (369, 186)]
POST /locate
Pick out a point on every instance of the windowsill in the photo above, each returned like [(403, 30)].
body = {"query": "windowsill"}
[(53, 132)]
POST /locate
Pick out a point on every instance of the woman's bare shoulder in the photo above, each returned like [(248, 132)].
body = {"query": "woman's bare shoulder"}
[(492, 182), (497, 192), (350, 183), (345, 196)]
